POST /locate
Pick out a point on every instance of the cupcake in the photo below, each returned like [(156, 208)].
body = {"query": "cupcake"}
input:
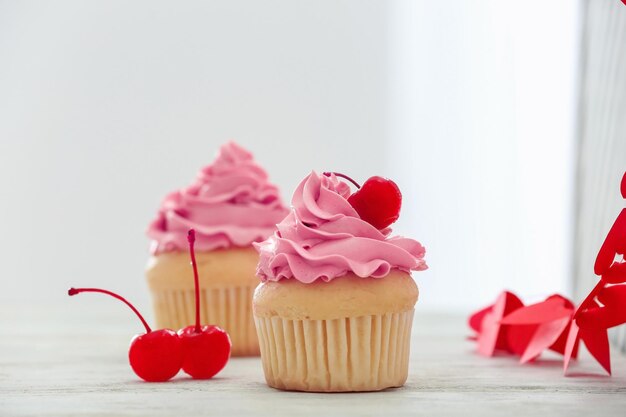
[(335, 305), (230, 205)]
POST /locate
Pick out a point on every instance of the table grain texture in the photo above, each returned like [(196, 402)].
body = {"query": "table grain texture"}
[(71, 360)]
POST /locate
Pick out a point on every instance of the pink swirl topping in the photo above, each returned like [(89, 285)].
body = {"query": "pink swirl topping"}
[(324, 238), (230, 204)]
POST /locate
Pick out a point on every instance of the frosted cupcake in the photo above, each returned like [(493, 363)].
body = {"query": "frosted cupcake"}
[(230, 205), (335, 306)]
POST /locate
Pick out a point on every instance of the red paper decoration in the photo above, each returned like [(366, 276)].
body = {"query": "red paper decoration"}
[(553, 324)]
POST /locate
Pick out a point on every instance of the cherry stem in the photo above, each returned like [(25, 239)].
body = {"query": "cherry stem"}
[(191, 238), (74, 291), (344, 176)]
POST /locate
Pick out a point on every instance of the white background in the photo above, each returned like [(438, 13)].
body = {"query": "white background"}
[(470, 107)]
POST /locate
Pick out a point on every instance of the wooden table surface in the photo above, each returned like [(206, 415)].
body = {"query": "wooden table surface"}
[(71, 360)]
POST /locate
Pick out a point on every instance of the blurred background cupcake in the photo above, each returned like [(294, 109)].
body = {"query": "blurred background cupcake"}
[(230, 205)]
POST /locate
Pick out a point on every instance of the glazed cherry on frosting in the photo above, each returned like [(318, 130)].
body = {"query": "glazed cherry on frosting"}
[(378, 201), (207, 348), (156, 355)]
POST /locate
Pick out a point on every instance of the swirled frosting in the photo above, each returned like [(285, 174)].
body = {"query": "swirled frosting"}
[(231, 203), (324, 238)]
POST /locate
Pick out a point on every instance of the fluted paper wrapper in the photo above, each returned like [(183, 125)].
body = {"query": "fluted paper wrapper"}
[(229, 308), (367, 353)]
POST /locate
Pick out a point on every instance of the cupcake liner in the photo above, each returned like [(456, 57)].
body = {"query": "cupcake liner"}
[(229, 308), (367, 353)]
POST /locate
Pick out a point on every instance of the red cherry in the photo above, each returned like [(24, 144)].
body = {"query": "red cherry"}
[(206, 351), (155, 356), (207, 348), (378, 202)]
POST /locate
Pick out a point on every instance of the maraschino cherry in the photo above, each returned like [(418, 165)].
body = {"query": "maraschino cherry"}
[(378, 201), (207, 348), (155, 356)]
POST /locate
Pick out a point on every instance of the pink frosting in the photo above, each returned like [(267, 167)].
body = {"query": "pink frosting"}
[(324, 238), (230, 204)]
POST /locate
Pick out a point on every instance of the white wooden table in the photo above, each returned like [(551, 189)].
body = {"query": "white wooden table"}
[(71, 360)]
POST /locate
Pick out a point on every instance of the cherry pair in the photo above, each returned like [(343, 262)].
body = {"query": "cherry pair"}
[(377, 202), (158, 355)]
